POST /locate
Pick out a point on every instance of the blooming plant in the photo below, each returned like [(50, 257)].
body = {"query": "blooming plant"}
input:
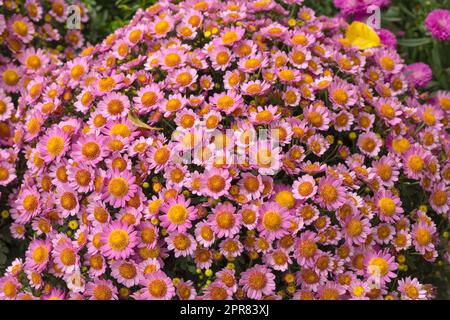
[(35, 37), (231, 150)]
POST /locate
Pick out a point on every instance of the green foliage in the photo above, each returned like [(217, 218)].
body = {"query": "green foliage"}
[(109, 15), (406, 20)]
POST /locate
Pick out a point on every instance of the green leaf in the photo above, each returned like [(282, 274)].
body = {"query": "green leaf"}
[(414, 42)]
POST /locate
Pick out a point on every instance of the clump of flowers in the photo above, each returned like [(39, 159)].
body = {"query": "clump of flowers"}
[(231, 150), (34, 40)]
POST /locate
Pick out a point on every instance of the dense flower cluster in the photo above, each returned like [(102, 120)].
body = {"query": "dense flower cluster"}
[(359, 7), (239, 149), (34, 40)]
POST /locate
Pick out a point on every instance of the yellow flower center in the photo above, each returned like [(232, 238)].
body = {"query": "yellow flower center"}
[(68, 201), (387, 206), (118, 239), (177, 214), (40, 254), (157, 288), (10, 77), (20, 27), (225, 220), (272, 220), (118, 187), (257, 280)]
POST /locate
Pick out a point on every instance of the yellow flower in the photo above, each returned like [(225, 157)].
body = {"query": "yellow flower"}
[(73, 224), (362, 36)]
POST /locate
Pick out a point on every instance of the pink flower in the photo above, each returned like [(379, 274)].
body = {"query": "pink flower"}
[(257, 282), (438, 23)]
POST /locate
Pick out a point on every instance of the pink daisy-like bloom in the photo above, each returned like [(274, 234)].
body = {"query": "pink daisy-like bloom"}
[(81, 177), (101, 290), (422, 236), (7, 173), (317, 116), (11, 78), (387, 170), (185, 290), (264, 115), (159, 156), (389, 109), (147, 98), (224, 221), (388, 205), (305, 248), (251, 186), (161, 26), (216, 291), (157, 286), (440, 198), (304, 187), (204, 234), (231, 247), (318, 144), (114, 106), (119, 188), (342, 94), (411, 289), (230, 36), (6, 106), (273, 221), (330, 193), (215, 183), (9, 288), (278, 259), (67, 200), (330, 291), (356, 229), (343, 121), (389, 61), (358, 290), (38, 255), (380, 266), (118, 240), (65, 255), (414, 162), (420, 74), (21, 27), (221, 58), (257, 282), (126, 272), (255, 88), (178, 214), (438, 23), (181, 79), (226, 102), (369, 144), (28, 205), (54, 144)]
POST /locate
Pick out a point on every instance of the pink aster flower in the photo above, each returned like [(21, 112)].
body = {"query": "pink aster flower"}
[(65, 255), (215, 183), (440, 198), (114, 106), (21, 27), (257, 282), (422, 236), (54, 144), (224, 221), (380, 267), (118, 240), (330, 194), (157, 286), (9, 288), (147, 98), (126, 272), (438, 23), (38, 255), (420, 74), (178, 214), (119, 188), (411, 289), (101, 290), (369, 144), (305, 248)]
